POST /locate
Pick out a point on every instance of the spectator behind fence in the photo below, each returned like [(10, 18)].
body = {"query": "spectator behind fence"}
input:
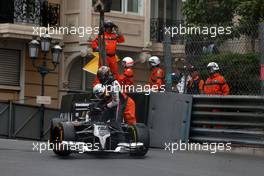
[(215, 83), (195, 85)]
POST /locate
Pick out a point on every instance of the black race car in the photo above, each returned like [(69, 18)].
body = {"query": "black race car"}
[(84, 130)]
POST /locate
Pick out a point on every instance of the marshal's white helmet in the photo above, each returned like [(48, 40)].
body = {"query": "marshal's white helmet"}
[(154, 61), (213, 67), (128, 62), (98, 90)]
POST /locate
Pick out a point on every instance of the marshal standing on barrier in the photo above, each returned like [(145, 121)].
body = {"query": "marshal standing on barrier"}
[(112, 38)]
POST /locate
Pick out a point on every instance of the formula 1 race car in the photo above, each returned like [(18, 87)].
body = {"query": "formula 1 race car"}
[(85, 131)]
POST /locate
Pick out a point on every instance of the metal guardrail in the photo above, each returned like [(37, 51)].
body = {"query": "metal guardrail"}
[(235, 119), (22, 121)]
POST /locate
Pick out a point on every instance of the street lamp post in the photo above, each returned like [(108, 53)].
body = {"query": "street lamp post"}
[(45, 43), (102, 6), (167, 60)]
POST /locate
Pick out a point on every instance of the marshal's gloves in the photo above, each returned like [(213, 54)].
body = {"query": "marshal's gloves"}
[(118, 32)]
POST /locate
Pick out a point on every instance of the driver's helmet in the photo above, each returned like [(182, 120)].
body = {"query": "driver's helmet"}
[(109, 24), (104, 75), (212, 67), (127, 62), (98, 90), (154, 61)]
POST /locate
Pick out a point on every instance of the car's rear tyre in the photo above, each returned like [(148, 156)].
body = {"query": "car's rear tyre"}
[(53, 124), (64, 131), (140, 133)]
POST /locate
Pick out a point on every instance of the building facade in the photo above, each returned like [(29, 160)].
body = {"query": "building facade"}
[(140, 21)]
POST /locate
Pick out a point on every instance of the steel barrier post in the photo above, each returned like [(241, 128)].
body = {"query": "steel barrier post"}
[(261, 35), (10, 119)]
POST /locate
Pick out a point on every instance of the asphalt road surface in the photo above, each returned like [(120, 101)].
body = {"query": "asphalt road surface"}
[(17, 158)]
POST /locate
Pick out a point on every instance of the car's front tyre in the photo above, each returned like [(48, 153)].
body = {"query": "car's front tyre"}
[(140, 134), (63, 131)]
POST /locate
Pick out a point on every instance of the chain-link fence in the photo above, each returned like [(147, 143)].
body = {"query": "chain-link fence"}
[(237, 57)]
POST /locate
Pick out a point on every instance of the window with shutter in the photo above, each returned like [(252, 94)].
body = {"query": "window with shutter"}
[(75, 77), (9, 67), (89, 81)]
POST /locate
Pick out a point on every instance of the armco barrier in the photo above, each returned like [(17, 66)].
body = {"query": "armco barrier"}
[(166, 114), (22, 121), (4, 119), (142, 107), (169, 118), (235, 119)]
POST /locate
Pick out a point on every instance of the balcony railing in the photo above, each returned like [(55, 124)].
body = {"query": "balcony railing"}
[(36, 12), (157, 29)]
